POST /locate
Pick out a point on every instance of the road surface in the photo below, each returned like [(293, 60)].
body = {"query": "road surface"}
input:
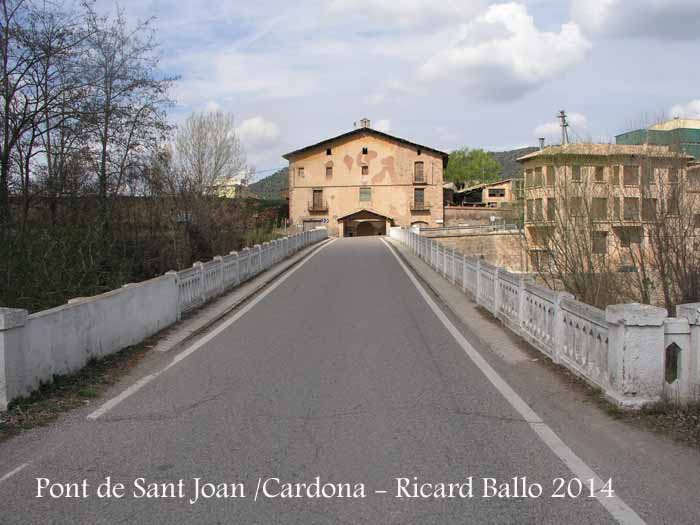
[(342, 378)]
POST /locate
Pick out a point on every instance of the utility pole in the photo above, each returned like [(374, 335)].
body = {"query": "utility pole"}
[(564, 128)]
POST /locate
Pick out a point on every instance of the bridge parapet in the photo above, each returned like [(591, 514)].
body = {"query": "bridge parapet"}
[(634, 353)]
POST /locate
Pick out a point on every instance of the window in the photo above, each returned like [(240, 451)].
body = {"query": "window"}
[(300, 172), (497, 192), (418, 151), (538, 210), (538, 176), (629, 236), (419, 197), (551, 209), (599, 174), (328, 151), (575, 205), (630, 175), (648, 209), (674, 175), (418, 175), (616, 208), (365, 170), (551, 175), (530, 204), (365, 194), (631, 208), (694, 180), (329, 171), (600, 208), (648, 176), (576, 173), (528, 178), (600, 242), (364, 151), (616, 176), (318, 200), (672, 206), (696, 220)]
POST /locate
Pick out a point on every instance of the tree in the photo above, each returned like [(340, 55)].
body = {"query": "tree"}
[(469, 167)]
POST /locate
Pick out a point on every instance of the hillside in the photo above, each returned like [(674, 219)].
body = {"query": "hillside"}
[(271, 186), (508, 161)]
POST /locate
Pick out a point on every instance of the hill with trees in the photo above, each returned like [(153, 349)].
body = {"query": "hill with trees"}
[(270, 188)]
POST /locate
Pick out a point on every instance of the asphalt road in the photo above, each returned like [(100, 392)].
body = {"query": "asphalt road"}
[(342, 373)]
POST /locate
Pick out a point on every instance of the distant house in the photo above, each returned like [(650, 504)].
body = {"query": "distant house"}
[(499, 194), (363, 181)]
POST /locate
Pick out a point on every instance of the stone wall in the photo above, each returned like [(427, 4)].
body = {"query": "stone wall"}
[(499, 248), (459, 215)]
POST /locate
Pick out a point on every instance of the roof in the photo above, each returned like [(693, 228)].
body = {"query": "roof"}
[(676, 123), (483, 185), (605, 150), (368, 131)]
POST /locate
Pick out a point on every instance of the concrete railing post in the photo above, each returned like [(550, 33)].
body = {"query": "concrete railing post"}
[(220, 285), (635, 352), (521, 301), (478, 281), (179, 298), (497, 292), (201, 287), (691, 312), (12, 321), (676, 353), (559, 328)]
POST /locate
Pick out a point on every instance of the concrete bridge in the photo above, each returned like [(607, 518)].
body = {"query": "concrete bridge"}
[(359, 387)]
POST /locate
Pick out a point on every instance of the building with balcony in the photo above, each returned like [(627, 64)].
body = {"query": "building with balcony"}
[(363, 181), (610, 192)]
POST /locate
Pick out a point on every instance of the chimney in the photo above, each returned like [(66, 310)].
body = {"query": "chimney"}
[(541, 139), (364, 123)]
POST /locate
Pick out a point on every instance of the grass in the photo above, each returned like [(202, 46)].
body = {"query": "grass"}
[(68, 392), (681, 422)]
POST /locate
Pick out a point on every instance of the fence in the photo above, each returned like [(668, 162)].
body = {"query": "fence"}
[(633, 352), (34, 348)]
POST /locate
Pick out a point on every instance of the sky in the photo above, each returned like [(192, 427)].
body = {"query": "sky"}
[(444, 73)]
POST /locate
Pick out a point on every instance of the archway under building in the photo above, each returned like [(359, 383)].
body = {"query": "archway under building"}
[(365, 223)]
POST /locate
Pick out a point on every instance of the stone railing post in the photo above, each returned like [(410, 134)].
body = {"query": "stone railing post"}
[(677, 348), (201, 288), (691, 312), (12, 321), (497, 292), (256, 254), (478, 281), (220, 285), (559, 328), (635, 352), (521, 301), (179, 297)]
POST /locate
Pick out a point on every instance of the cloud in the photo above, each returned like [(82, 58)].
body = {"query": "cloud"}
[(551, 131), (665, 19), (383, 125), (689, 110), (258, 132), (501, 54), (406, 12)]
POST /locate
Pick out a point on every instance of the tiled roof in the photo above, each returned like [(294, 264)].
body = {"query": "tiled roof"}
[(605, 150)]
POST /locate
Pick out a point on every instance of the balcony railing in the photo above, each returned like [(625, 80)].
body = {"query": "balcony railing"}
[(417, 206), (318, 207), (419, 178)]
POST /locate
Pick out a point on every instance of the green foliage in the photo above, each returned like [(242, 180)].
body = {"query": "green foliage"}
[(472, 167), (270, 187)]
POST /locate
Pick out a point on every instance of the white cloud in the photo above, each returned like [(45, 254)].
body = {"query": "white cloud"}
[(551, 131), (407, 12), (502, 54), (258, 132), (671, 19), (689, 110), (383, 125)]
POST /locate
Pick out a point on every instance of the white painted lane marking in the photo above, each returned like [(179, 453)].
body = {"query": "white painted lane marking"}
[(619, 510), (109, 405), (14, 471)]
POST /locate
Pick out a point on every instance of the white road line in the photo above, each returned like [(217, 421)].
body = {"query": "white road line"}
[(14, 471), (109, 405), (619, 510)]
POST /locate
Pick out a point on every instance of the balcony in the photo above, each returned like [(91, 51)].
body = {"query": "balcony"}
[(318, 206), (420, 207), (419, 178)]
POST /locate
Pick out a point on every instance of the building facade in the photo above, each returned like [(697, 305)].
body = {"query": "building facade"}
[(364, 181), (612, 193)]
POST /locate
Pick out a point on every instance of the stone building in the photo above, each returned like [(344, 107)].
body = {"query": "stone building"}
[(363, 181), (612, 192)]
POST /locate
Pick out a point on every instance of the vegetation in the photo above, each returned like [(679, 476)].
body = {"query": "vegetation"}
[(508, 160), (94, 191), (271, 187), (470, 167)]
